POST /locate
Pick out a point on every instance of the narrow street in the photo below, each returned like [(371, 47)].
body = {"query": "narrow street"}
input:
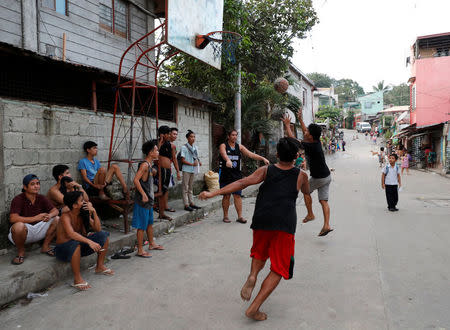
[(376, 270)]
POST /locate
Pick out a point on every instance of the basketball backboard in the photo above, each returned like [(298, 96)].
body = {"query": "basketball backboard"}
[(187, 18)]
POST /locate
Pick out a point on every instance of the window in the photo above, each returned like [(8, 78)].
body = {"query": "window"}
[(413, 97), (113, 17), (60, 6), (304, 97)]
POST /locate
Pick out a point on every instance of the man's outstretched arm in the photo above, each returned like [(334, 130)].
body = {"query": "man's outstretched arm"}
[(258, 176)]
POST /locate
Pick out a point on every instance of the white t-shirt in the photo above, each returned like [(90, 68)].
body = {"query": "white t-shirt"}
[(392, 175)]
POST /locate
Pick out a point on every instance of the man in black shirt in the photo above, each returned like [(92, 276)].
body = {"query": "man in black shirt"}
[(274, 222), (320, 174)]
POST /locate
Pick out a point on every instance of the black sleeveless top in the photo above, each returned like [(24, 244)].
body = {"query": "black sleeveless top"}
[(229, 175), (275, 203), (166, 150)]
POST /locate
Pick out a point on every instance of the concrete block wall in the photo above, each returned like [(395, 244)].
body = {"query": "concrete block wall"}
[(198, 120), (34, 137)]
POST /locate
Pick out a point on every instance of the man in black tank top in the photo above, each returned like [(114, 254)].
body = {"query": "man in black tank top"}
[(320, 174), (230, 171), (274, 222)]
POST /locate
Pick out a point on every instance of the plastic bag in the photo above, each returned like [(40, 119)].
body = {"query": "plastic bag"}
[(212, 180)]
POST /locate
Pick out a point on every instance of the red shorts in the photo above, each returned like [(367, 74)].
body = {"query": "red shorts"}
[(277, 245)]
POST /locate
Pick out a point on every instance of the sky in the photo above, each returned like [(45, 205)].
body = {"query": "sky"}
[(367, 40)]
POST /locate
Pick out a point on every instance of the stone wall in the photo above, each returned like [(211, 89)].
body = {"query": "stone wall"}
[(34, 137)]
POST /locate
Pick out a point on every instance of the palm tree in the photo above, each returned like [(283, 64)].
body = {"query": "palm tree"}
[(380, 87)]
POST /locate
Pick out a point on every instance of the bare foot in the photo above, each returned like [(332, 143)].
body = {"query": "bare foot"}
[(257, 316), (308, 219), (247, 289)]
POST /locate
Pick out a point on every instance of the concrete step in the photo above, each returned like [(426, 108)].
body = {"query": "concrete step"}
[(39, 271)]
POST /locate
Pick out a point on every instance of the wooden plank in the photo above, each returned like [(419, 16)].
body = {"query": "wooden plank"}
[(10, 38), (11, 28)]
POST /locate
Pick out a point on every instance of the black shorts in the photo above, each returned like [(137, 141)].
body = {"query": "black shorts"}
[(65, 251), (91, 191), (166, 173)]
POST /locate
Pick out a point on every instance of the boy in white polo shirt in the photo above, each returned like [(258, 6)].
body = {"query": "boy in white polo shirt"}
[(391, 182), (190, 161)]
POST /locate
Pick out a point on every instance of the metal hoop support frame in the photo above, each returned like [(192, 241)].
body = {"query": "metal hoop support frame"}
[(223, 43)]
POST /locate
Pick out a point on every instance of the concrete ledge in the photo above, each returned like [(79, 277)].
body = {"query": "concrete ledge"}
[(40, 271)]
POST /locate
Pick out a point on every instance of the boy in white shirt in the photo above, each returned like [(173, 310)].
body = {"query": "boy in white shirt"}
[(391, 182)]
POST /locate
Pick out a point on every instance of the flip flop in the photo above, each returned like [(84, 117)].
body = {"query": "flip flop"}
[(80, 286), (325, 233), (20, 260), (306, 220), (50, 252), (241, 220), (143, 256), (226, 220), (118, 255), (165, 217), (157, 247), (170, 210), (107, 272)]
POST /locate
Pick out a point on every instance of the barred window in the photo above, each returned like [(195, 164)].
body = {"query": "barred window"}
[(113, 16)]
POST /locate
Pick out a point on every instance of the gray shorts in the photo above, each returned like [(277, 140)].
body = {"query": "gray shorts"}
[(322, 185)]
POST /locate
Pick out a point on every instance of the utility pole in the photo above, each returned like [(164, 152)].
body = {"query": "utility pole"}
[(237, 100), (237, 106)]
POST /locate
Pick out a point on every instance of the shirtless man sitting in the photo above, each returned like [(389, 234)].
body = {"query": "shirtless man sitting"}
[(55, 193), (76, 238)]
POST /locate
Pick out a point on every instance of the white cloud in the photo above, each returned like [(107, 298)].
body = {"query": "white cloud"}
[(368, 41)]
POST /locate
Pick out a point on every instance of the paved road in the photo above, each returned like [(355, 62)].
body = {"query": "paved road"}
[(377, 270)]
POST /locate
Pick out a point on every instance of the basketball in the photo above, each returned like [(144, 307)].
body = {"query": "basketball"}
[(281, 85)]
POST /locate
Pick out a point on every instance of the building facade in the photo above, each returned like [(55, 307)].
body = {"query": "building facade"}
[(325, 97), (303, 88), (430, 101), (59, 62)]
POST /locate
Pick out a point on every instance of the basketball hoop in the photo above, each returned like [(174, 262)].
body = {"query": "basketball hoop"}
[(222, 42)]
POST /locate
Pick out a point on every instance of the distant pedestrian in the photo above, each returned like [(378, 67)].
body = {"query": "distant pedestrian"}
[(405, 162), (391, 182), (343, 145)]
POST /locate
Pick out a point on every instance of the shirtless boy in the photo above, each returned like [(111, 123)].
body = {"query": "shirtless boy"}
[(274, 222), (73, 241)]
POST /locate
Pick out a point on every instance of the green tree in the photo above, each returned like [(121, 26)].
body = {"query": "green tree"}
[(268, 28), (398, 95), (333, 113), (348, 90), (321, 79), (380, 87)]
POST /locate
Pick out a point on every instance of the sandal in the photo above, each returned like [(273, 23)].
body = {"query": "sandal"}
[(19, 261), (241, 220), (170, 209), (107, 272), (165, 217), (50, 252), (81, 286), (226, 219)]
